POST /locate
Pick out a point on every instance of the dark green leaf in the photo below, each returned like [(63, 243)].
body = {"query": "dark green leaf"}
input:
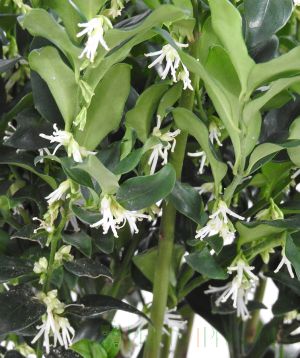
[(85, 267), (141, 192), (93, 306), (204, 263), (188, 201), (80, 240), (6, 65), (18, 310), (13, 267)]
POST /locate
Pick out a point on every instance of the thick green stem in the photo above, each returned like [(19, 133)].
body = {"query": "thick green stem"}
[(165, 249)]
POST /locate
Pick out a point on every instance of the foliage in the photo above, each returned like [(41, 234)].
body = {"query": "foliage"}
[(148, 146)]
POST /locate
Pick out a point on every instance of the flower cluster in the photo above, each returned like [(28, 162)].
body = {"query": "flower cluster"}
[(95, 30), (161, 149), (66, 139), (173, 63), (220, 224), (54, 324), (239, 289), (114, 216)]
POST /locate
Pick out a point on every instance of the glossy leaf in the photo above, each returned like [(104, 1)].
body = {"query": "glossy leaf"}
[(18, 310), (85, 267), (60, 80), (106, 179), (292, 251), (187, 201), (141, 192), (104, 117), (89, 349), (227, 24), (93, 306), (204, 263), (188, 122), (13, 267), (140, 117), (80, 240), (40, 23), (264, 18)]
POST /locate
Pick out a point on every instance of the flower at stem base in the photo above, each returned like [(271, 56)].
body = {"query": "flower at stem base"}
[(114, 216), (168, 142), (95, 30), (66, 139), (58, 193), (53, 323), (116, 8), (238, 289)]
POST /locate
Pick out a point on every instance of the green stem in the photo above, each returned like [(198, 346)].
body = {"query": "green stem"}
[(165, 248)]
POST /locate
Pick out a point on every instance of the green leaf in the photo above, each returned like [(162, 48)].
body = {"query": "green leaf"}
[(292, 251), (112, 343), (80, 240), (13, 267), (187, 201), (29, 127), (140, 117), (264, 18), (285, 279), (141, 192), (253, 107), (190, 123), (105, 178), (89, 8), (204, 263), (89, 349), (294, 134), (60, 80), (227, 24), (23, 160), (286, 65), (40, 23), (43, 100), (79, 176), (128, 38), (93, 306), (70, 17), (102, 116), (146, 263), (85, 267), (129, 163), (26, 232), (18, 310), (169, 99)]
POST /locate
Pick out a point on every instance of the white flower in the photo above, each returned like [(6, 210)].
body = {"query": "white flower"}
[(168, 142), (214, 134), (9, 132), (174, 320), (95, 30), (238, 289), (202, 156), (116, 8), (173, 62), (44, 225), (287, 262), (63, 254), (114, 216), (43, 152), (184, 76), (40, 266), (291, 316), (58, 193), (223, 210), (219, 224), (66, 139), (53, 323)]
